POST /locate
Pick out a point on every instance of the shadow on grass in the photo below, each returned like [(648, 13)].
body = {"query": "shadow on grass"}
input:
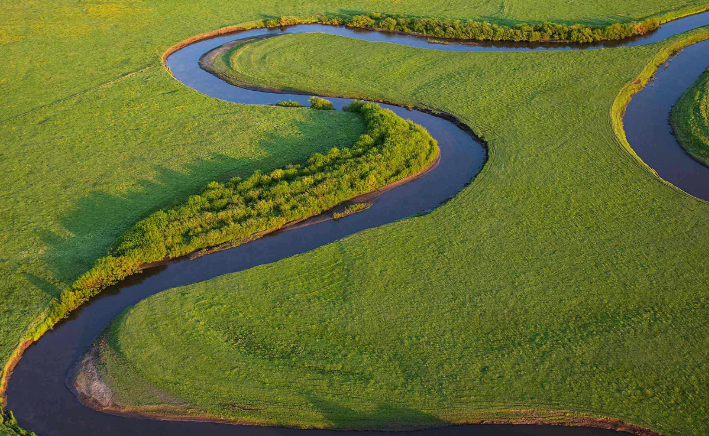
[(49, 288), (99, 218), (387, 415)]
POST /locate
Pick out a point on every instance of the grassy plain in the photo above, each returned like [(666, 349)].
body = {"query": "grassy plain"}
[(566, 279), (690, 119), (95, 134)]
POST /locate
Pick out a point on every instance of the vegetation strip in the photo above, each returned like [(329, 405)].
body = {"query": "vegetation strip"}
[(484, 31), (471, 30), (690, 119)]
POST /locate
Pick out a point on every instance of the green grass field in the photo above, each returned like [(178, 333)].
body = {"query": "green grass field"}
[(566, 279), (690, 119), (95, 134)]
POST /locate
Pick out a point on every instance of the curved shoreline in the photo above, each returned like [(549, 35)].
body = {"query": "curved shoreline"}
[(536, 417), (618, 111), (625, 95), (168, 413), (685, 137)]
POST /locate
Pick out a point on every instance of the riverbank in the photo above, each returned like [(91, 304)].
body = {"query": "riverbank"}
[(86, 381)]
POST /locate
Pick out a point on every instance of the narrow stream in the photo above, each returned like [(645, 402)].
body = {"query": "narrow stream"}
[(37, 391)]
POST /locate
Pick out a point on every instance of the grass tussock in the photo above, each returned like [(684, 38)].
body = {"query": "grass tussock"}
[(351, 209)]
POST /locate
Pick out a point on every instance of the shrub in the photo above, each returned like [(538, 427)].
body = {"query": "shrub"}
[(321, 104), (280, 22), (351, 209), (8, 421), (361, 21), (388, 23), (289, 103)]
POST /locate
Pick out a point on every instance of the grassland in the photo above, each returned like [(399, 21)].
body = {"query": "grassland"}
[(690, 119), (96, 135), (529, 294)]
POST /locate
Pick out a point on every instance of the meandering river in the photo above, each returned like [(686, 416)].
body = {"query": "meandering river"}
[(37, 391)]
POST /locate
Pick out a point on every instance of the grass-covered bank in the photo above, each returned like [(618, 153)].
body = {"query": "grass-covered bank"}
[(690, 119), (529, 294), (228, 214)]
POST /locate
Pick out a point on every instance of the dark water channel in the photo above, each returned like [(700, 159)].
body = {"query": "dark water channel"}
[(37, 391)]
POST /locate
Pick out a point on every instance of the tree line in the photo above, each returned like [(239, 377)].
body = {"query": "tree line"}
[(483, 30)]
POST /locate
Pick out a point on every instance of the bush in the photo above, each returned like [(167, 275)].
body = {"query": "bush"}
[(321, 104), (235, 212), (282, 21), (289, 103), (361, 21)]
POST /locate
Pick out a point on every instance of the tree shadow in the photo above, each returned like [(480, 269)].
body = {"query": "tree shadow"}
[(98, 219), (386, 415), (51, 289)]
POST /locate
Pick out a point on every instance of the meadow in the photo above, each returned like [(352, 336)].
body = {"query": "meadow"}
[(530, 295), (690, 119), (97, 135)]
